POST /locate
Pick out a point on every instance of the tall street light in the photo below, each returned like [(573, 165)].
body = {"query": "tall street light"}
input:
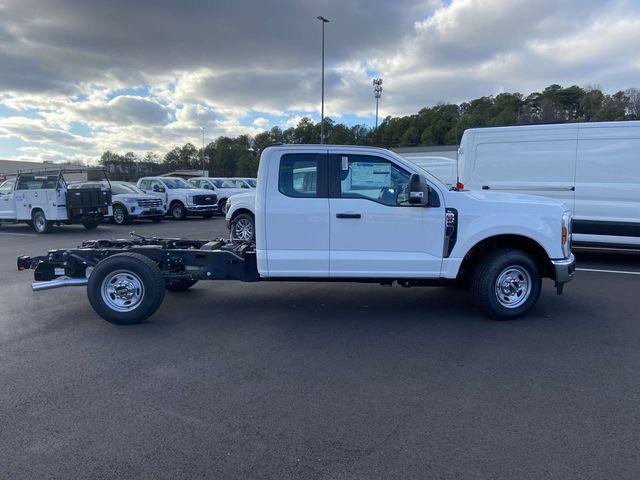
[(377, 93), (202, 128), (323, 20)]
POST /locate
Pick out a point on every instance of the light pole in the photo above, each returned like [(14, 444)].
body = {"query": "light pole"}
[(202, 128), (323, 20), (377, 93)]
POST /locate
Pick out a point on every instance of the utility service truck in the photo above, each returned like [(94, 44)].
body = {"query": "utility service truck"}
[(42, 198), (341, 214)]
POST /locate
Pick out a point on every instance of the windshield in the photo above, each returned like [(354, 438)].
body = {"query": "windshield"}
[(252, 182), (175, 183), (220, 183), (125, 189), (238, 183)]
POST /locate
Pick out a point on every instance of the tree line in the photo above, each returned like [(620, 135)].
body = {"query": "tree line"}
[(442, 124)]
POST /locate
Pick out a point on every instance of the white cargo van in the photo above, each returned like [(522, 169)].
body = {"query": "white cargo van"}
[(593, 168)]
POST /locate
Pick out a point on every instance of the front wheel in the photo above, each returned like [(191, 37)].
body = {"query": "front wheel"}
[(120, 215), (178, 211), (506, 283), (126, 288), (243, 228)]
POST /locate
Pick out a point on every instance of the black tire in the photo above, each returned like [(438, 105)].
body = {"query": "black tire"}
[(239, 227), (501, 300), (145, 271), (156, 219), (222, 205), (90, 224), (39, 222), (180, 285), (120, 215), (177, 211)]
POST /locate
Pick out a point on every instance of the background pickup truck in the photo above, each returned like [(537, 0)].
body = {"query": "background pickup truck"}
[(43, 198), (344, 214)]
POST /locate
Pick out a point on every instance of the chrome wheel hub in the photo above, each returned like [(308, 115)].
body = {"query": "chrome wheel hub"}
[(118, 215), (243, 230), (513, 286), (122, 291)]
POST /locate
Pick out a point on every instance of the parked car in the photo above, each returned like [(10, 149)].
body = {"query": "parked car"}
[(42, 199), (344, 214), (592, 168), (180, 197), (129, 202), (222, 187)]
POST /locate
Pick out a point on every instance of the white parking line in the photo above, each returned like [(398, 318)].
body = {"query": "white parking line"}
[(20, 234), (606, 271)]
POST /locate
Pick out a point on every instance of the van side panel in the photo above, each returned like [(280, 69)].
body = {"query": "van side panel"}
[(607, 200), (538, 160)]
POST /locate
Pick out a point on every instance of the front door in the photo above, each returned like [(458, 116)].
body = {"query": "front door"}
[(296, 228), (374, 231), (7, 204)]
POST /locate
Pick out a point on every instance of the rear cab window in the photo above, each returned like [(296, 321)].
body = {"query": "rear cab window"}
[(303, 175)]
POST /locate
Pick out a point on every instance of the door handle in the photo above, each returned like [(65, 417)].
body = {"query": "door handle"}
[(348, 215)]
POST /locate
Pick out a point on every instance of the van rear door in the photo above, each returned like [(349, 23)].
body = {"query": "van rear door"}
[(607, 206)]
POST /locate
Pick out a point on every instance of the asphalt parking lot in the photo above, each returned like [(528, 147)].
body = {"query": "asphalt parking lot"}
[(317, 381)]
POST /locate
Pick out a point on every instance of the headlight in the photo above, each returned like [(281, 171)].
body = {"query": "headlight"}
[(131, 201), (566, 234)]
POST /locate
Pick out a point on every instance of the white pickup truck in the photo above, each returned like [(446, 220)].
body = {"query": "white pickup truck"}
[(43, 198), (180, 197), (344, 214)]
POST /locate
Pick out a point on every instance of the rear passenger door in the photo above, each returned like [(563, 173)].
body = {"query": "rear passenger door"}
[(296, 228)]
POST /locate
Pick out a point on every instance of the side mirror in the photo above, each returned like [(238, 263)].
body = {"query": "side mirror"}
[(420, 193), (207, 186), (158, 189)]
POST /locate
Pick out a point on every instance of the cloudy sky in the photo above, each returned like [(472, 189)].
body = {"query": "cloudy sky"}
[(78, 77)]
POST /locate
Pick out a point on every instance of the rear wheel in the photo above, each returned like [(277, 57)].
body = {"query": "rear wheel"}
[(90, 224), (40, 223), (180, 285), (243, 228), (126, 288), (506, 283), (120, 215), (178, 211)]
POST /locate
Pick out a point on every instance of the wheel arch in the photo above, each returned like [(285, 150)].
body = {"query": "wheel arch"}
[(242, 210), (513, 241)]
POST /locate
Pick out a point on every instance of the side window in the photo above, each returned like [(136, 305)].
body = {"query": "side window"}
[(144, 185), (157, 183), (302, 175), (372, 178), (6, 188)]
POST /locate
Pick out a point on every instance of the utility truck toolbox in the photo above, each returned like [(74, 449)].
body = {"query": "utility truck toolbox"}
[(344, 214)]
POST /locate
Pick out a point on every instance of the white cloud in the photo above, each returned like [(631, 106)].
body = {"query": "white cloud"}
[(86, 77)]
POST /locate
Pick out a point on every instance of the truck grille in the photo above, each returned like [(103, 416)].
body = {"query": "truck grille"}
[(205, 199), (148, 203)]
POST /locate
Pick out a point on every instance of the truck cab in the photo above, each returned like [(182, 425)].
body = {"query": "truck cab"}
[(222, 187)]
